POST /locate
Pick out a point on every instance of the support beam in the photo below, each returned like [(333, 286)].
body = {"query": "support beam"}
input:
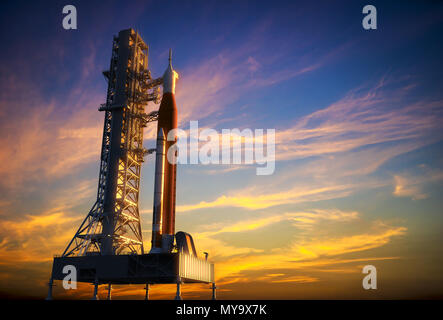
[(109, 292), (95, 295), (50, 285), (147, 291), (214, 293), (178, 295)]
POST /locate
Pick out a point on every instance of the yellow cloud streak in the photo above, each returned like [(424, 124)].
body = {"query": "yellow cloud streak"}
[(36, 238), (262, 201), (298, 218), (309, 254)]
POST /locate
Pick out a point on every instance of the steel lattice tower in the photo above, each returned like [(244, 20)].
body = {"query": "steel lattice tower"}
[(113, 224)]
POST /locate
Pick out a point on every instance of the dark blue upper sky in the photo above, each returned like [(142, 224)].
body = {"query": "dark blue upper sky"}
[(284, 36)]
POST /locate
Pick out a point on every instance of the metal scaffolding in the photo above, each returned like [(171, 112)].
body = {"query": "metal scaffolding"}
[(112, 226)]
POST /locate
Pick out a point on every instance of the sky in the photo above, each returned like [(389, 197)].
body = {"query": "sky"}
[(357, 116)]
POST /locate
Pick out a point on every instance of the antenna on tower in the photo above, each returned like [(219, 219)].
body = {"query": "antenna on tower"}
[(170, 56)]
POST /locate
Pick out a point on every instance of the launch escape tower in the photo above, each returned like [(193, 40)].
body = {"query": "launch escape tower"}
[(108, 246)]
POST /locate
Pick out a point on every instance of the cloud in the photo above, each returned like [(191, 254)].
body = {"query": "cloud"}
[(344, 245), (407, 188), (310, 253), (411, 184), (52, 126), (343, 144), (253, 64), (211, 85), (4, 203), (282, 75), (303, 220), (282, 278), (248, 199), (359, 119), (35, 237), (309, 250), (207, 87), (203, 89), (45, 144)]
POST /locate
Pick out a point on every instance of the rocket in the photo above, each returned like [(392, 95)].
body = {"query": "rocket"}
[(163, 218)]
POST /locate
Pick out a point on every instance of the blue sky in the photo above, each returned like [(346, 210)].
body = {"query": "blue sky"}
[(357, 115)]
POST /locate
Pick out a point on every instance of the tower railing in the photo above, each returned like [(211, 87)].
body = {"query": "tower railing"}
[(194, 268)]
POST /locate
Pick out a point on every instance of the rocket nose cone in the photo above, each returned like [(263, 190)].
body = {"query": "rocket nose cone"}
[(169, 77), (161, 134)]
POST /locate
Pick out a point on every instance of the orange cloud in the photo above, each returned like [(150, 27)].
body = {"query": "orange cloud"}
[(312, 253), (299, 219), (35, 238), (338, 246), (308, 251), (412, 184), (267, 199), (44, 147)]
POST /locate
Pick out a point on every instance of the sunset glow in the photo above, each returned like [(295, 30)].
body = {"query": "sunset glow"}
[(357, 115)]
